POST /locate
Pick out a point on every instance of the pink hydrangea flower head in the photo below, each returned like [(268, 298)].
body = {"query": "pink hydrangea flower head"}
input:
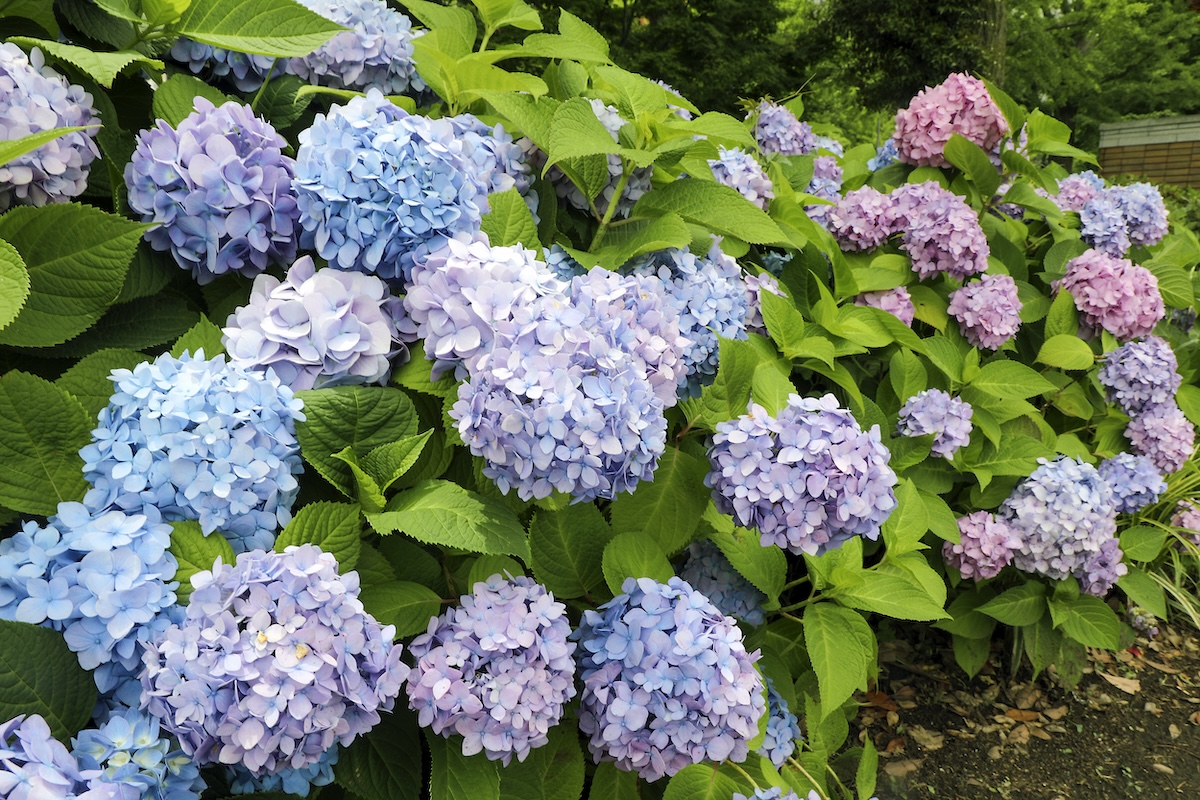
[(863, 219), (960, 104), (1164, 435), (986, 546), (896, 302), (1114, 294), (988, 310), (941, 232)]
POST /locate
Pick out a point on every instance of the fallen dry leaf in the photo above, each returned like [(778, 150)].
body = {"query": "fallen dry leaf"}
[(1019, 735), (1174, 730), (1163, 768), (1039, 732), (1161, 667), (1021, 716), (899, 769), (894, 746), (881, 700), (1195, 718), (1027, 697), (930, 740), (892, 719), (995, 752), (1056, 713), (1127, 685)]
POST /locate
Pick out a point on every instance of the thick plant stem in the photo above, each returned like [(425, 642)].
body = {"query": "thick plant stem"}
[(626, 171)]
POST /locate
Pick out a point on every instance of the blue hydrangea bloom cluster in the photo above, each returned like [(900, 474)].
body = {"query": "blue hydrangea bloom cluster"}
[(739, 170), (826, 184), (710, 573), (36, 766), (319, 328), (988, 311), (292, 780), (35, 98), (201, 440), (775, 793), (1138, 375), (1118, 217), (275, 663), (941, 232), (637, 185), (247, 72), (667, 681), (1134, 480), (129, 752), (777, 130), (885, 155), (1102, 225), (808, 480), (985, 547), (935, 411), (1163, 434), (500, 163), (783, 729), (378, 188), (376, 53), (497, 670), (218, 190)]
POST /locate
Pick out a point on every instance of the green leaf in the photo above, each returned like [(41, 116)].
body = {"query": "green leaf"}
[(1066, 351), (509, 222), (455, 27), (196, 552), (640, 236), (443, 513), (74, 278), (719, 208), (513, 13), (454, 776), (142, 324), (175, 99), (12, 149), (575, 41), (1022, 194), (941, 519), (408, 606), (416, 374), (1143, 590), (701, 782), (971, 654), (631, 555), (42, 428), (610, 783), (765, 567), (1042, 643), (88, 380), (972, 160), (552, 771), (667, 509), (485, 566), (868, 766), (279, 28), (1188, 398), (36, 10), (1019, 606), (281, 101), (1014, 113), (1016, 455), (203, 336), (40, 675), (1062, 319), (729, 394), (388, 463), (1142, 542), (577, 132), (567, 548), (14, 283), (387, 764), (907, 375), (842, 647), (1009, 380), (966, 621), (904, 527), (900, 596), (103, 67), (333, 527), (1088, 620)]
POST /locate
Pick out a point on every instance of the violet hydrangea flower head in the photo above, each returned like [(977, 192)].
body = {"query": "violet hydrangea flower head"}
[(245, 71), (886, 154), (35, 98), (199, 439), (497, 670), (1102, 569), (826, 184), (379, 189), (934, 411), (863, 219), (275, 663), (1164, 435), (1145, 212), (36, 766), (1114, 294), (777, 130), (941, 232), (1077, 189), (289, 780), (1141, 374), (986, 546), (319, 328), (376, 53), (783, 729), (808, 479), (710, 573), (1134, 480), (897, 302), (739, 170), (755, 286), (218, 190), (960, 104), (1187, 517), (988, 311), (129, 751), (667, 681), (1103, 226)]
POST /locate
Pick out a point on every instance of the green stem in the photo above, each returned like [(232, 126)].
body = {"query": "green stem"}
[(258, 95), (793, 584), (816, 786), (744, 774), (626, 172), (487, 37), (801, 604)]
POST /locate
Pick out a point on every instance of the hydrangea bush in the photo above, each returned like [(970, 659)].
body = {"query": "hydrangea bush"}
[(362, 389)]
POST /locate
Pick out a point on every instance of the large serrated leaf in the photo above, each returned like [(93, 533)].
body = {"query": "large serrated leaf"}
[(631, 555), (14, 283), (280, 28), (12, 149), (103, 67), (841, 646), (700, 782), (454, 776), (175, 99), (553, 771), (719, 208), (88, 380), (509, 221), (42, 428), (666, 510), (384, 764), (567, 548), (40, 675), (334, 527), (203, 336), (765, 567), (409, 606)]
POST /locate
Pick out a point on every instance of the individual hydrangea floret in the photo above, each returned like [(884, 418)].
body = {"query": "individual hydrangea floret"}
[(247, 72), (637, 184), (35, 98), (709, 572), (379, 189), (1103, 569), (739, 170), (275, 663), (129, 752), (959, 105), (1134, 480), (319, 328), (667, 681), (886, 154), (777, 130), (755, 286), (497, 670), (217, 189), (783, 729), (897, 302), (808, 480), (36, 766), (986, 546), (941, 232), (934, 411), (988, 311), (201, 440), (1114, 294), (376, 53), (1164, 435), (1138, 375), (863, 219)]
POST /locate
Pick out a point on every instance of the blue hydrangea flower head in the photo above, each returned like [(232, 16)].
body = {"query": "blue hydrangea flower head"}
[(199, 439), (218, 190), (275, 662), (667, 681), (1145, 212), (710, 573), (739, 170), (777, 130), (376, 53), (1134, 480), (36, 766), (291, 780), (885, 155), (783, 729), (1103, 225), (35, 98), (773, 261), (775, 793), (1138, 375), (1074, 191), (129, 751), (1164, 434), (934, 411), (245, 71), (986, 546), (500, 163), (497, 670), (826, 184)]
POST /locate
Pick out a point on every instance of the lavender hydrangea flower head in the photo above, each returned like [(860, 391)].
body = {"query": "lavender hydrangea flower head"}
[(1141, 620), (896, 302), (831, 145), (808, 480), (36, 766), (379, 189), (218, 190), (376, 53), (886, 154), (199, 439), (1187, 517), (934, 411), (497, 670), (826, 184), (783, 729), (667, 681), (986, 546), (1102, 224), (1102, 569), (247, 72), (1114, 294), (863, 219), (960, 104), (35, 98), (129, 752), (988, 310), (739, 170), (777, 130), (275, 663), (941, 232), (319, 328), (1164, 435), (636, 186), (1134, 480), (1138, 375), (710, 573), (1145, 212), (1074, 191), (755, 286)]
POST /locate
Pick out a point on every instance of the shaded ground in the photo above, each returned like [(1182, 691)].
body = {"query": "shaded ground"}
[(1131, 728)]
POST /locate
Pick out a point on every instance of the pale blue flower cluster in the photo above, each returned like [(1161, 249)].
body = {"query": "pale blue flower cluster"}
[(808, 480), (1102, 224), (710, 573), (935, 411), (275, 663), (129, 752), (783, 729), (667, 681), (988, 311), (1118, 217), (1134, 480), (202, 440), (376, 53), (985, 547), (755, 286), (1139, 375), (245, 71), (777, 130), (35, 98), (885, 155), (218, 191), (378, 188), (636, 186), (497, 670), (36, 766), (500, 163), (739, 170), (319, 328)]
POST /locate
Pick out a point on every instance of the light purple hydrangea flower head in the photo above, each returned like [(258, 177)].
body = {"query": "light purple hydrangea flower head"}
[(988, 311), (1164, 435), (1076, 190), (1134, 480), (497, 670), (218, 190), (960, 104), (777, 130), (1138, 375), (376, 53), (897, 302), (776, 793), (36, 766), (808, 479), (826, 184), (35, 98), (934, 411), (1114, 294), (245, 71), (1187, 517), (1102, 569), (275, 663), (986, 546), (129, 752), (863, 219), (783, 729), (739, 170), (709, 572), (667, 681), (941, 232)]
